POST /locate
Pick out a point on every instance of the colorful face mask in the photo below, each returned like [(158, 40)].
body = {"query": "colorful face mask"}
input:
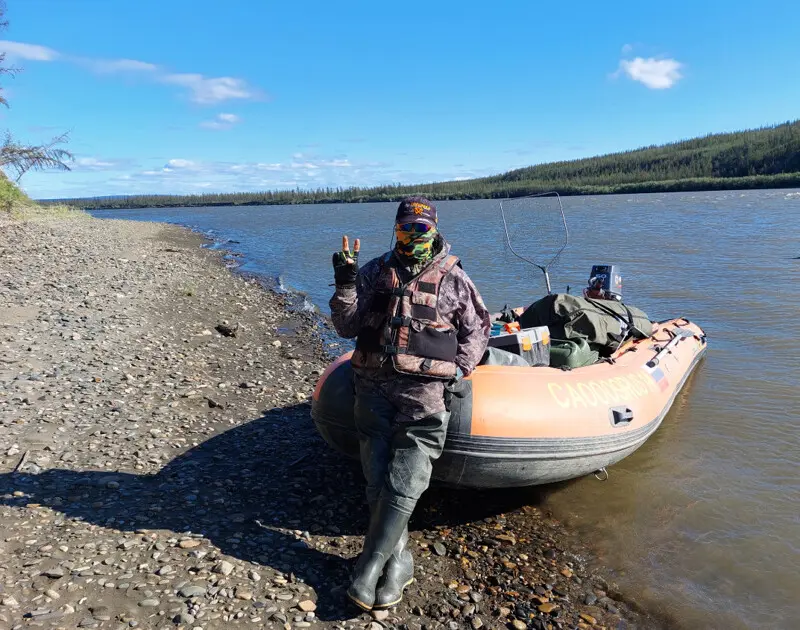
[(416, 243)]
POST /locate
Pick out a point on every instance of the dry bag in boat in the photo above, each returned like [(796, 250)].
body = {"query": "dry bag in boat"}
[(603, 323), (496, 356), (571, 353)]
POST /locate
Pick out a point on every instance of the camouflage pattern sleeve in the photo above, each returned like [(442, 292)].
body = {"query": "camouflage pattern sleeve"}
[(460, 297), (349, 304)]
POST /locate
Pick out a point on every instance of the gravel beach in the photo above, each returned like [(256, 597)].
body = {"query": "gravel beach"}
[(159, 468)]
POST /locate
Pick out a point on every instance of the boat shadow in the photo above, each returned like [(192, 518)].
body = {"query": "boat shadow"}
[(243, 489)]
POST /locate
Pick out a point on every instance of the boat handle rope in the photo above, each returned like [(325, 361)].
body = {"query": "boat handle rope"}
[(670, 336), (603, 472)]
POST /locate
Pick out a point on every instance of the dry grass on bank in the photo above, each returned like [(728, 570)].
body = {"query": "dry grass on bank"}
[(34, 212), (16, 205)]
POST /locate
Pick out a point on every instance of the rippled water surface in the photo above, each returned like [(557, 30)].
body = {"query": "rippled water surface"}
[(704, 520)]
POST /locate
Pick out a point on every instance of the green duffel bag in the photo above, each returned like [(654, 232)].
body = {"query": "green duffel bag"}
[(603, 323), (571, 353)]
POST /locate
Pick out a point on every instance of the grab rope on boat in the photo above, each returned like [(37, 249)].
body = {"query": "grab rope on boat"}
[(602, 472)]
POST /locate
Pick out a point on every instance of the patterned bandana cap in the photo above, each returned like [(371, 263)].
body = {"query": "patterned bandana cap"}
[(415, 246)]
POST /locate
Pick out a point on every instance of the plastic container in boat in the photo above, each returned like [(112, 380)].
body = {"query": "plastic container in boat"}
[(532, 344)]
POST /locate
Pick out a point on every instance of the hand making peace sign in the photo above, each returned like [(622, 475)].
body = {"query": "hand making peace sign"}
[(345, 263)]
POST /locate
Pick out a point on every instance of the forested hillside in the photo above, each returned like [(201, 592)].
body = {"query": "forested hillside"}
[(761, 158)]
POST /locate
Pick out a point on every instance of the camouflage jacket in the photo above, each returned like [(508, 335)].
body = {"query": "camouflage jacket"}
[(459, 302)]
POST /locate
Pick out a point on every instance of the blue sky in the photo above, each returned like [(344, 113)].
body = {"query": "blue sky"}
[(197, 96)]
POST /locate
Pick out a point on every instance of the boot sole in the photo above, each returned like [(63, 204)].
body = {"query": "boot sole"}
[(359, 603), (394, 603)]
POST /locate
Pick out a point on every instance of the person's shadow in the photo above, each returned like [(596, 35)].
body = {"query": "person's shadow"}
[(239, 487)]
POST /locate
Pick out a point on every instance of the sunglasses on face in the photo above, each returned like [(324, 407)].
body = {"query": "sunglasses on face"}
[(414, 227)]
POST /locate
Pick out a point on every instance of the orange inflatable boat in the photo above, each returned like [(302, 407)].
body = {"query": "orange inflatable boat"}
[(519, 426)]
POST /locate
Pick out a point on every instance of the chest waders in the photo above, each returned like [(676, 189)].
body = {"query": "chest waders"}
[(397, 457)]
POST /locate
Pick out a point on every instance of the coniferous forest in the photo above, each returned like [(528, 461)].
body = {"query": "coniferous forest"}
[(761, 158)]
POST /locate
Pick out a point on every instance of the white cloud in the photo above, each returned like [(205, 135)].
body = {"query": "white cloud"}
[(249, 167), (339, 163), (222, 121), (202, 89), (31, 52), (314, 164), (627, 48), (93, 162), (656, 74), (97, 164), (111, 66), (300, 160), (178, 164), (183, 176), (207, 91)]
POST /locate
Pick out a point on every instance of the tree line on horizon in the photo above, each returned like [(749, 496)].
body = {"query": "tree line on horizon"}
[(768, 157)]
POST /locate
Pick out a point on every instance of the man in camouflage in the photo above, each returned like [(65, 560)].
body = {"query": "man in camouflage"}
[(420, 326)]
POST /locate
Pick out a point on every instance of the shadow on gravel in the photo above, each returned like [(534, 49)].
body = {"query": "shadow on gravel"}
[(238, 486)]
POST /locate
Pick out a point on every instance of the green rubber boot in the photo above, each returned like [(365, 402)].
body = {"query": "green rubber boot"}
[(397, 575), (386, 529)]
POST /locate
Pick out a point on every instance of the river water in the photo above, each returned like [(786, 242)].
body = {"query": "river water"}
[(702, 522)]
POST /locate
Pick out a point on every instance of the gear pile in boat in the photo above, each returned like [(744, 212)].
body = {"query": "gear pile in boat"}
[(568, 331)]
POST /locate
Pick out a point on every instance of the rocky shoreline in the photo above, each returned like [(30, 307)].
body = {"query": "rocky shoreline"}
[(159, 469)]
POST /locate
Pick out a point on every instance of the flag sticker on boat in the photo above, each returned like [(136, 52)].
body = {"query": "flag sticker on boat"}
[(658, 376)]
